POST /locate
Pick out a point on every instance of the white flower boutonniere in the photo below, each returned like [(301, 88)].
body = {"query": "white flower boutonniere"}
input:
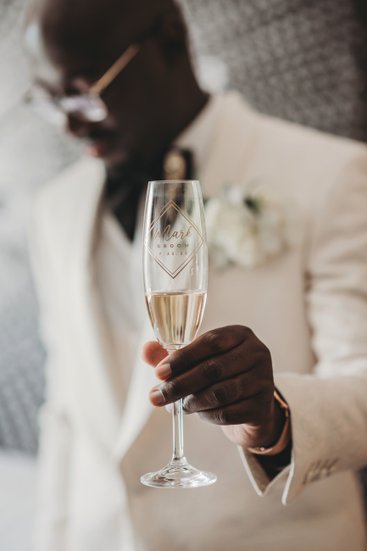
[(249, 227)]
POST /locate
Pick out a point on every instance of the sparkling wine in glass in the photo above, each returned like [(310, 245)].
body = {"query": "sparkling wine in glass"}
[(175, 262)]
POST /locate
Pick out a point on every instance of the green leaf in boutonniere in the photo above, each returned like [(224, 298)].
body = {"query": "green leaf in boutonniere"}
[(253, 204)]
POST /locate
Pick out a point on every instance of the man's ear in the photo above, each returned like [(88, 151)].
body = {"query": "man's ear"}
[(172, 33)]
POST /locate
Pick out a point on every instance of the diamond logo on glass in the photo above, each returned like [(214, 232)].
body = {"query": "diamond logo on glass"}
[(173, 239)]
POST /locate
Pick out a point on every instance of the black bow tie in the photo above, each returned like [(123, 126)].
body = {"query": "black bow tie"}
[(175, 164), (123, 191)]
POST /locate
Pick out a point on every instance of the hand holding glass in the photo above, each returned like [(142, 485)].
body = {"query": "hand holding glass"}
[(175, 280)]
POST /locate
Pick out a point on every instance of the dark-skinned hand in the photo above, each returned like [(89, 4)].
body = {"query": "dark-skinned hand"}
[(226, 377)]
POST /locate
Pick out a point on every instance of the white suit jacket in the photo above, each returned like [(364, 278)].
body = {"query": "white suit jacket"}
[(309, 306)]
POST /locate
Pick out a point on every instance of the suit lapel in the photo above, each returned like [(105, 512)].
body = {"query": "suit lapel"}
[(91, 339), (95, 369)]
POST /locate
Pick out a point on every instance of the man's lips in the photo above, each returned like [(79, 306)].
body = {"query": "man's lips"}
[(97, 149), (100, 146), (107, 148)]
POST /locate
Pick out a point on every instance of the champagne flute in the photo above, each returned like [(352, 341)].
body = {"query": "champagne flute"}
[(175, 279)]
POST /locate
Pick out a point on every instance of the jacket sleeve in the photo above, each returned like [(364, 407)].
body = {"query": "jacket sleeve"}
[(329, 406), (55, 428)]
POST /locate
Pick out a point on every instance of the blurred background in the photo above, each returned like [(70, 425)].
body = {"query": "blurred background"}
[(302, 60)]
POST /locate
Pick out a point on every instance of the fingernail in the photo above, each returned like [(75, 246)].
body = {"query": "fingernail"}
[(156, 397), (163, 371)]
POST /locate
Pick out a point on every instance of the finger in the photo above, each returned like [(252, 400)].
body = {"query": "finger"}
[(244, 412), (227, 392), (206, 346), (244, 358), (153, 353)]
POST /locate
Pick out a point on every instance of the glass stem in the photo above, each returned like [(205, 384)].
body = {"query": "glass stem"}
[(177, 425), (178, 433)]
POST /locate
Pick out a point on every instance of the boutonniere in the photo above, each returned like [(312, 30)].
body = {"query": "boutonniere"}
[(249, 227)]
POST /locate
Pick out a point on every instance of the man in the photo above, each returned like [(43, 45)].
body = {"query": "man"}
[(122, 74)]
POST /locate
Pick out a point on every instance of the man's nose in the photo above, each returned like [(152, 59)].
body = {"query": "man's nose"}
[(77, 126)]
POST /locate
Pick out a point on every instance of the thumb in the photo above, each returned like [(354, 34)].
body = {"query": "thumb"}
[(153, 353)]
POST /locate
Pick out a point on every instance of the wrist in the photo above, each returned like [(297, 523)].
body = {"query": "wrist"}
[(279, 435)]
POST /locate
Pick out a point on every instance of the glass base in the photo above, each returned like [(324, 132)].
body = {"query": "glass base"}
[(178, 474)]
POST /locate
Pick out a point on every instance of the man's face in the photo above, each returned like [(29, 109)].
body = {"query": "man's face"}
[(82, 49)]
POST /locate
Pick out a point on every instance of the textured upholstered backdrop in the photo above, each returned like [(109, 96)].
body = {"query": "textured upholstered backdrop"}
[(300, 60), (30, 152)]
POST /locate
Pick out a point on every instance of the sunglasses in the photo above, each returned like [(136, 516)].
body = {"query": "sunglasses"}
[(87, 106)]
